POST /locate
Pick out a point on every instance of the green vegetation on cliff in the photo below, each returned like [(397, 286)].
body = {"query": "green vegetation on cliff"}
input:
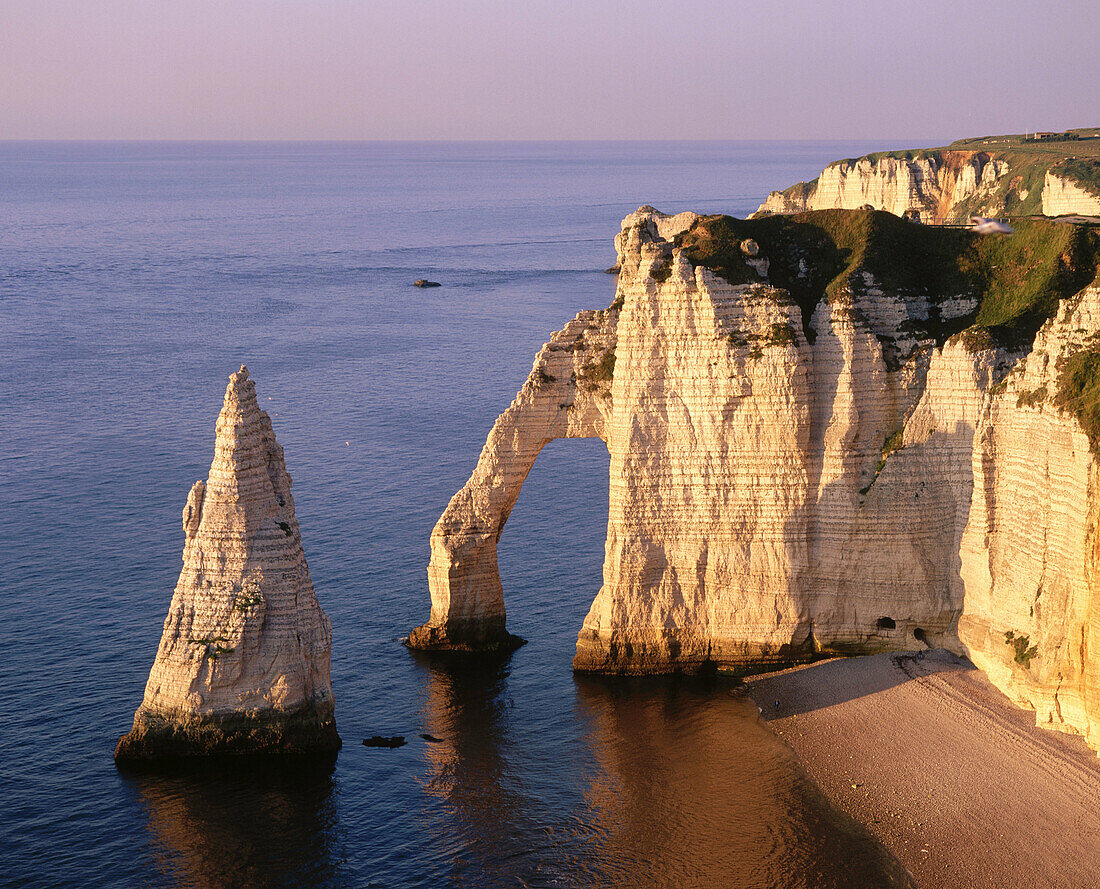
[(1020, 191), (1086, 143), (909, 154), (1079, 391), (801, 191), (1025, 651), (602, 370), (1015, 280), (1083, 171)]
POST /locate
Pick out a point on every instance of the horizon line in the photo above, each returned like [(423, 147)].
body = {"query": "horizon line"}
[(463, 141)]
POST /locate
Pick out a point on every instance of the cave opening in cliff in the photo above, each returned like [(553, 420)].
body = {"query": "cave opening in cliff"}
[(551, 551), (886, 623)]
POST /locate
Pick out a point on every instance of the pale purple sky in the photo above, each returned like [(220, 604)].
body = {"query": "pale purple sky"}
[(506, 69)]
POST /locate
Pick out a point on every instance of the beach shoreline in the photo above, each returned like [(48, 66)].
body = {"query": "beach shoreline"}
[(942, 768)]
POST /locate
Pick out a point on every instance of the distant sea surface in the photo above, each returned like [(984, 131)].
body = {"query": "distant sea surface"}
[(134, 278)]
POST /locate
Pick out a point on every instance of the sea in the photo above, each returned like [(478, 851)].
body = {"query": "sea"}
[(134, 278)]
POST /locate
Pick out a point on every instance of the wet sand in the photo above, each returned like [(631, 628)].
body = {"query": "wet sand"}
[(944, 770)]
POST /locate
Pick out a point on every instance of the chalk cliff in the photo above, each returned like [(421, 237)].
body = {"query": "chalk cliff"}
[(935, 187), (994, 176), (243, 663), (824, 437), (1063, 197), (1029, 552)]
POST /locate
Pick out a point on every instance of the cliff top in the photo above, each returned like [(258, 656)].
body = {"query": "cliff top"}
[(1084, 140), (1085, 144), (1017, 281)]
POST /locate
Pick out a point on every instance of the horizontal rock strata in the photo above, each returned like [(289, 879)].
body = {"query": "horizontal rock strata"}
[(1031, 610), (243, 663), (825, 435)]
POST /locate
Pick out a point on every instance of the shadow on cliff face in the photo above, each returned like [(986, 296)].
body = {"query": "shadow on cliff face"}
[(828, 683), (693, 790), (245, 821), (883, 550)]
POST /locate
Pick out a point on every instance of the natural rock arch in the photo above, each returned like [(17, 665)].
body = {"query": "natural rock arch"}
[(783, 474), (566, 395)]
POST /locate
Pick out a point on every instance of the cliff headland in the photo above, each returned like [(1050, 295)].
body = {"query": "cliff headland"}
[(991, 176), (832, 432)]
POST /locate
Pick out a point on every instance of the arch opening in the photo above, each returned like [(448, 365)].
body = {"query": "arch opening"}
[(566, 395), (551, 554)]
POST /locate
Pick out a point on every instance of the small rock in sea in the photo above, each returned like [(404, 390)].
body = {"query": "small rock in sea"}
[(381, 741), (614, 270), (424, 282), (432, 739)]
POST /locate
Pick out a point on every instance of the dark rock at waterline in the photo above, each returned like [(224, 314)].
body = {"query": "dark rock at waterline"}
[(311, 730), (382, 741), (488, 637), (432, 739), (614, 270), (424, 282)]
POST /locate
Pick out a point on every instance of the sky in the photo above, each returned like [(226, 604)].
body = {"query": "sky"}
[(536, 69)]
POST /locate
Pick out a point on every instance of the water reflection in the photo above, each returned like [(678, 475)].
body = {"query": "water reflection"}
[(486, 830), (653, 782), (693, 790), (241, 823)]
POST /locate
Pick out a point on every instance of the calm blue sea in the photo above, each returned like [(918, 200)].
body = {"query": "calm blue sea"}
[(134, 278)]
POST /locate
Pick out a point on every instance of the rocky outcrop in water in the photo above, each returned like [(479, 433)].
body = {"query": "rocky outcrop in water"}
[(835, 438), (243, 663)]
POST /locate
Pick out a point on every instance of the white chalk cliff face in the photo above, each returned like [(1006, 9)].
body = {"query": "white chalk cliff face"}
[(932, 187), (790, 477), (1029, 552), (1062, 197), (243, 663)]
